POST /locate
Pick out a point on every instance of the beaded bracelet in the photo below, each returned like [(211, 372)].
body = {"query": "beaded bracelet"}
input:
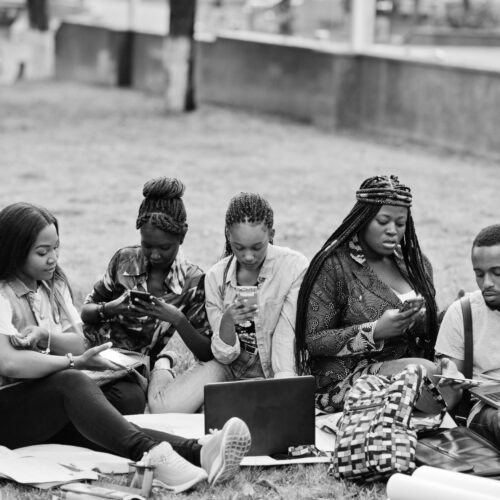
[(101, 313)]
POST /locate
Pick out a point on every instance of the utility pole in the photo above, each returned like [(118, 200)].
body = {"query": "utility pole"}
[(179, 56)]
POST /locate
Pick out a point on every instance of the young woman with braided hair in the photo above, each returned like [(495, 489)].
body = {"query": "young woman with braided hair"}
[(254, 340), (348, 320), (159, 267), (248, 341)]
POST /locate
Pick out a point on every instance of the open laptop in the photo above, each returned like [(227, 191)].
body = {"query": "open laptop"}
[(278, 412), (488, 393)]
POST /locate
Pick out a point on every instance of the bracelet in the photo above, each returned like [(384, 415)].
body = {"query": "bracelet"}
[(101, 313), (71, 360)]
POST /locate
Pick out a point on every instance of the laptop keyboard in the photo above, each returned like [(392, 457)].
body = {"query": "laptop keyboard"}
[(494, 396)]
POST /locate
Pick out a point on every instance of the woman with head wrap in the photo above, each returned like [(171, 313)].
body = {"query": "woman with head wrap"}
[(349, 321), (159, 267)]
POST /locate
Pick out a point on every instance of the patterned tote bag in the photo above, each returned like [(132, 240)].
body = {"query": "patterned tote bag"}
[(376, 434)]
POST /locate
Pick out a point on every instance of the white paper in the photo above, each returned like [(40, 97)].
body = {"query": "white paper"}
[(77, 457), (476, 484), (402, 487), (30, 469)]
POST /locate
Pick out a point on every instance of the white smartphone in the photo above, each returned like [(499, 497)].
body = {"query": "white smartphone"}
[(247, 295)]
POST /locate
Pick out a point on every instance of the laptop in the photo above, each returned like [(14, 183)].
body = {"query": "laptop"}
[(488, 393), (278, 412)]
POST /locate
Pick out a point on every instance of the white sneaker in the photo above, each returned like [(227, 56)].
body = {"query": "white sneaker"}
[(222, 452), (171, 471)]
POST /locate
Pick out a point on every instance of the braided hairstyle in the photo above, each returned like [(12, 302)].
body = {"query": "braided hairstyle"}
[(373, 193), (247, 207), (163, 207)]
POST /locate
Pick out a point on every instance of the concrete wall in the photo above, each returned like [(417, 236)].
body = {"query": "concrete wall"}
[(293, 81), (93, 54), (431, 103)]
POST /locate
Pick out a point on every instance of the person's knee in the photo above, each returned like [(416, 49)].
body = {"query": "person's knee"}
[(127, 397)]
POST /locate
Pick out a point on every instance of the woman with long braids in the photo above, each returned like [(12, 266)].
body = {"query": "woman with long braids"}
[(349, 321), (45, 396), (159, 267), (249, 341)]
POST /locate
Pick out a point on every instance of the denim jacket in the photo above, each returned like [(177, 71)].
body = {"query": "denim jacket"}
[(278, 287)]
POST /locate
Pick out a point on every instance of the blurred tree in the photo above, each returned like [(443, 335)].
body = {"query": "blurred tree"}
[(38, 13), (179, 56)]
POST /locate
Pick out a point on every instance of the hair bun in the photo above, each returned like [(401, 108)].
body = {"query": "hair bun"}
[(163, 188)]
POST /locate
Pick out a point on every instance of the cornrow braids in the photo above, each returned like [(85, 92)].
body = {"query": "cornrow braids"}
[(163, 206), (364, 210), (247, 207)]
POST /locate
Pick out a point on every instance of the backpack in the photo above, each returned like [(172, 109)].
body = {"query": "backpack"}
[(376, 434)]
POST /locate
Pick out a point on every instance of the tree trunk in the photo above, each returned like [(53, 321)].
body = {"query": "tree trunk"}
[(38, 13), (179, 56)]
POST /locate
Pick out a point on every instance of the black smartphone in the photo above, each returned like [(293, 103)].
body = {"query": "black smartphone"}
[(139, 294), (415, 303)]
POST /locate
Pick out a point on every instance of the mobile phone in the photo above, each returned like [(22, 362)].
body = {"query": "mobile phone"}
[(247, 295), (414, 303), (139, 294), (473, 383)]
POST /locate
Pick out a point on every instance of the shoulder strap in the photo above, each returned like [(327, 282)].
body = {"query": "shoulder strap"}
[(468, 344), (224, 278), (465, 403)]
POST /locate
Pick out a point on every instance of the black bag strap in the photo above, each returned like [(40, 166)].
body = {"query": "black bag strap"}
[(468, 344), (465, 403)]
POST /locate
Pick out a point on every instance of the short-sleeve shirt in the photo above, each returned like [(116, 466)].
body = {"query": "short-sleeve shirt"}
[(486, 337), (128, 270), (20, 307)]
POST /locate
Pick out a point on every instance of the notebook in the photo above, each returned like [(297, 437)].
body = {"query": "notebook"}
[(488, 393), (278, 412)]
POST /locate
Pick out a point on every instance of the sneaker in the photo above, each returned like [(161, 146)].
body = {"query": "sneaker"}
[(222, 452), (173, 472)]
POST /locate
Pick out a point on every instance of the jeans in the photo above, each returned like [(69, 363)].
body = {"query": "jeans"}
[(69, 408), (185, 393), (126, 395), (487, 424)]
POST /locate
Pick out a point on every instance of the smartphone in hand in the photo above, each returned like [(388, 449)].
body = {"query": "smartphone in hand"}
[(139, 294), (414, 303), (247, 295)]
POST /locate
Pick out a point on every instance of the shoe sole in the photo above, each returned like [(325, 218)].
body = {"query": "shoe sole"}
[(180, 487), (236, 442)]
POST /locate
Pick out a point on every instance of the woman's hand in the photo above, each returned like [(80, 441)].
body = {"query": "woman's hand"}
[(32, 337), (121, 306), (157, 308), (394, 323), (91, 360), (238, 312)]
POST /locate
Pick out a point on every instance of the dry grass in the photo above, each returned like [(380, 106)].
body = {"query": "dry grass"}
[(85, 153)]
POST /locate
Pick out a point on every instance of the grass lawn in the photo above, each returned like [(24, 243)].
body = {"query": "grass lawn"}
[(85, 152)]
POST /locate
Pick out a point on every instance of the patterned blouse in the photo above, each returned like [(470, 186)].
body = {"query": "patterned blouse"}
[(346, 300), (127, 270)]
